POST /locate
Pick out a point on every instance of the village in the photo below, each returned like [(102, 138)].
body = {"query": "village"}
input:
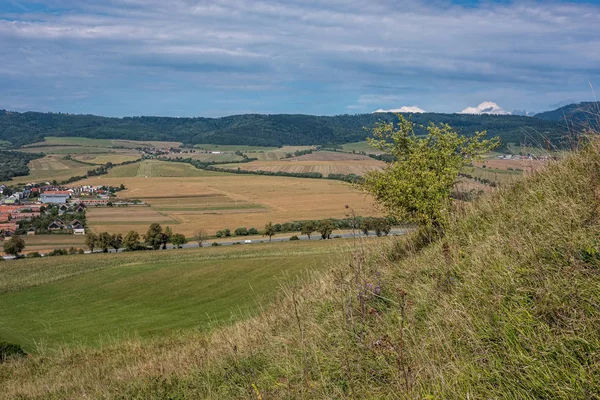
[(48, 209)]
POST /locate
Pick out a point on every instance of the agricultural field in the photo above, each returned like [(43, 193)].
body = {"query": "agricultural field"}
[(233, 148), (324, 162), (103, 158), (51, 167), (208, 157), (360, 146), (94, 298), (194, 199), (47, 243), (158, 169)]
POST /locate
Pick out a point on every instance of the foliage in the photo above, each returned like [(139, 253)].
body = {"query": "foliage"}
[(417, 186), (307, 228), (325, 228), (116, 241), (252, 129), (14, 245), (104, 241), (14, 163), (154, 236), (269, 230), (10, 350), (90, 241), (178, 240), (131, 241)]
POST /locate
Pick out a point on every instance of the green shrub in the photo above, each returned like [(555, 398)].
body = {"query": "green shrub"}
[(294, 238), (34, 254), (9, 350), (215, 244)]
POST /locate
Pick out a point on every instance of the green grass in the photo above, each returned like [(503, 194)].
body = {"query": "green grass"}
[(158, 169), (83, 299)]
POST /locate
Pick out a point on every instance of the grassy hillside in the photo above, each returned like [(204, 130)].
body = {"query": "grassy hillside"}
[(88, 299), (507, 305)]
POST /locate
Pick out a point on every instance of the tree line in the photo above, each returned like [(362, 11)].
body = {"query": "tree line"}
[(14, 163), (257, 130)]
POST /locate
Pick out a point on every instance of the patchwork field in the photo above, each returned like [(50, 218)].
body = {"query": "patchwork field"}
[(232, 148), (324, 162), (360, 146), (196, 199), (89, 299)]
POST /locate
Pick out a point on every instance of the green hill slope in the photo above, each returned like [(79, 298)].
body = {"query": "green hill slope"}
[(507, 305)]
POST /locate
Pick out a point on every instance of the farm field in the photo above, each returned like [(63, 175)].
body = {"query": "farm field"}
[(360, 146), (524, 165), (324, 162), (90, 299), (196, 199), (208, 157), (232, 148), (47, 243), (52, 167), (103, 158)]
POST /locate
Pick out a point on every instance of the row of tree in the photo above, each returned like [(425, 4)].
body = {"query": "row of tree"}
[(155, 238)]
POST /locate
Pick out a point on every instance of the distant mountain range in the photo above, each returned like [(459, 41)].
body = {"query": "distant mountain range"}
[(275, 130), (580, 115)]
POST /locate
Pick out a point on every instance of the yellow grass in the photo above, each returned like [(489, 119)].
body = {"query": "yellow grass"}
[(52, 167), (357, 167)]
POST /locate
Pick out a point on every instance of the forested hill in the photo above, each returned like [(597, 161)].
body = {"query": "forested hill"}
[(581, 115), (254, 129)]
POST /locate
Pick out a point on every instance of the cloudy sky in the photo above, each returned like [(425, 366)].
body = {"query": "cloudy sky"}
[(214, 58)]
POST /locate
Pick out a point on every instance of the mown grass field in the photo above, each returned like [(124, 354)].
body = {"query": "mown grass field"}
[(88, 299), (212, 201), (52, 167)]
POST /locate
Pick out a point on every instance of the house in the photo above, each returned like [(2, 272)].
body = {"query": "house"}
[(79, 231), (80, 208), (8, 227), (56, 197), (31, 231), (92, 202), (75, 225), (56, 225)]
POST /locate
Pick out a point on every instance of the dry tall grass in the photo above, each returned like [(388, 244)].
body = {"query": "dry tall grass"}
[(506, 305)]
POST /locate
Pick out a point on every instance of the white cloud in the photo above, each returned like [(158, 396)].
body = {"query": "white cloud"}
[(487, 107), (404, 109)]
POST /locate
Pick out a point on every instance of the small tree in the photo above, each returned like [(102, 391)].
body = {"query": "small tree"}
[(307, 228), (153, 237), (14, 246), (417, 186), (178, 240), (116, 241), (325, 228), (104, 241), (90, 241), (166, 237), (131, 241), (200, 236), (269, 230)]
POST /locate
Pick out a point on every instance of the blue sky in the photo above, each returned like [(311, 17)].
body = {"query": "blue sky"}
[(223, 57)]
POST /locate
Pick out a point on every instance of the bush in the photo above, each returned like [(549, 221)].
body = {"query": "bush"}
[(294, 238), (253, 231), (34, 254), (58, 252), (215, 244), (9, 350)]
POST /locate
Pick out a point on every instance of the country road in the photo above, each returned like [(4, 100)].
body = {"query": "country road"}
[(242, 240)]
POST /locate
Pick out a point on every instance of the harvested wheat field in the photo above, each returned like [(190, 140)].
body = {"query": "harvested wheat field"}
[(215, 201), (326, 163)]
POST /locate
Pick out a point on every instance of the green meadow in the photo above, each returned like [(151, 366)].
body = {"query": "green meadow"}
[(91, 299)]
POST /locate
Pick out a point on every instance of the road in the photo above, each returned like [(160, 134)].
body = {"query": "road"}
[(395, 232)]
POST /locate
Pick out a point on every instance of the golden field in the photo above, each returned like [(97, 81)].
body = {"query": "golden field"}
[(195, 199)]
